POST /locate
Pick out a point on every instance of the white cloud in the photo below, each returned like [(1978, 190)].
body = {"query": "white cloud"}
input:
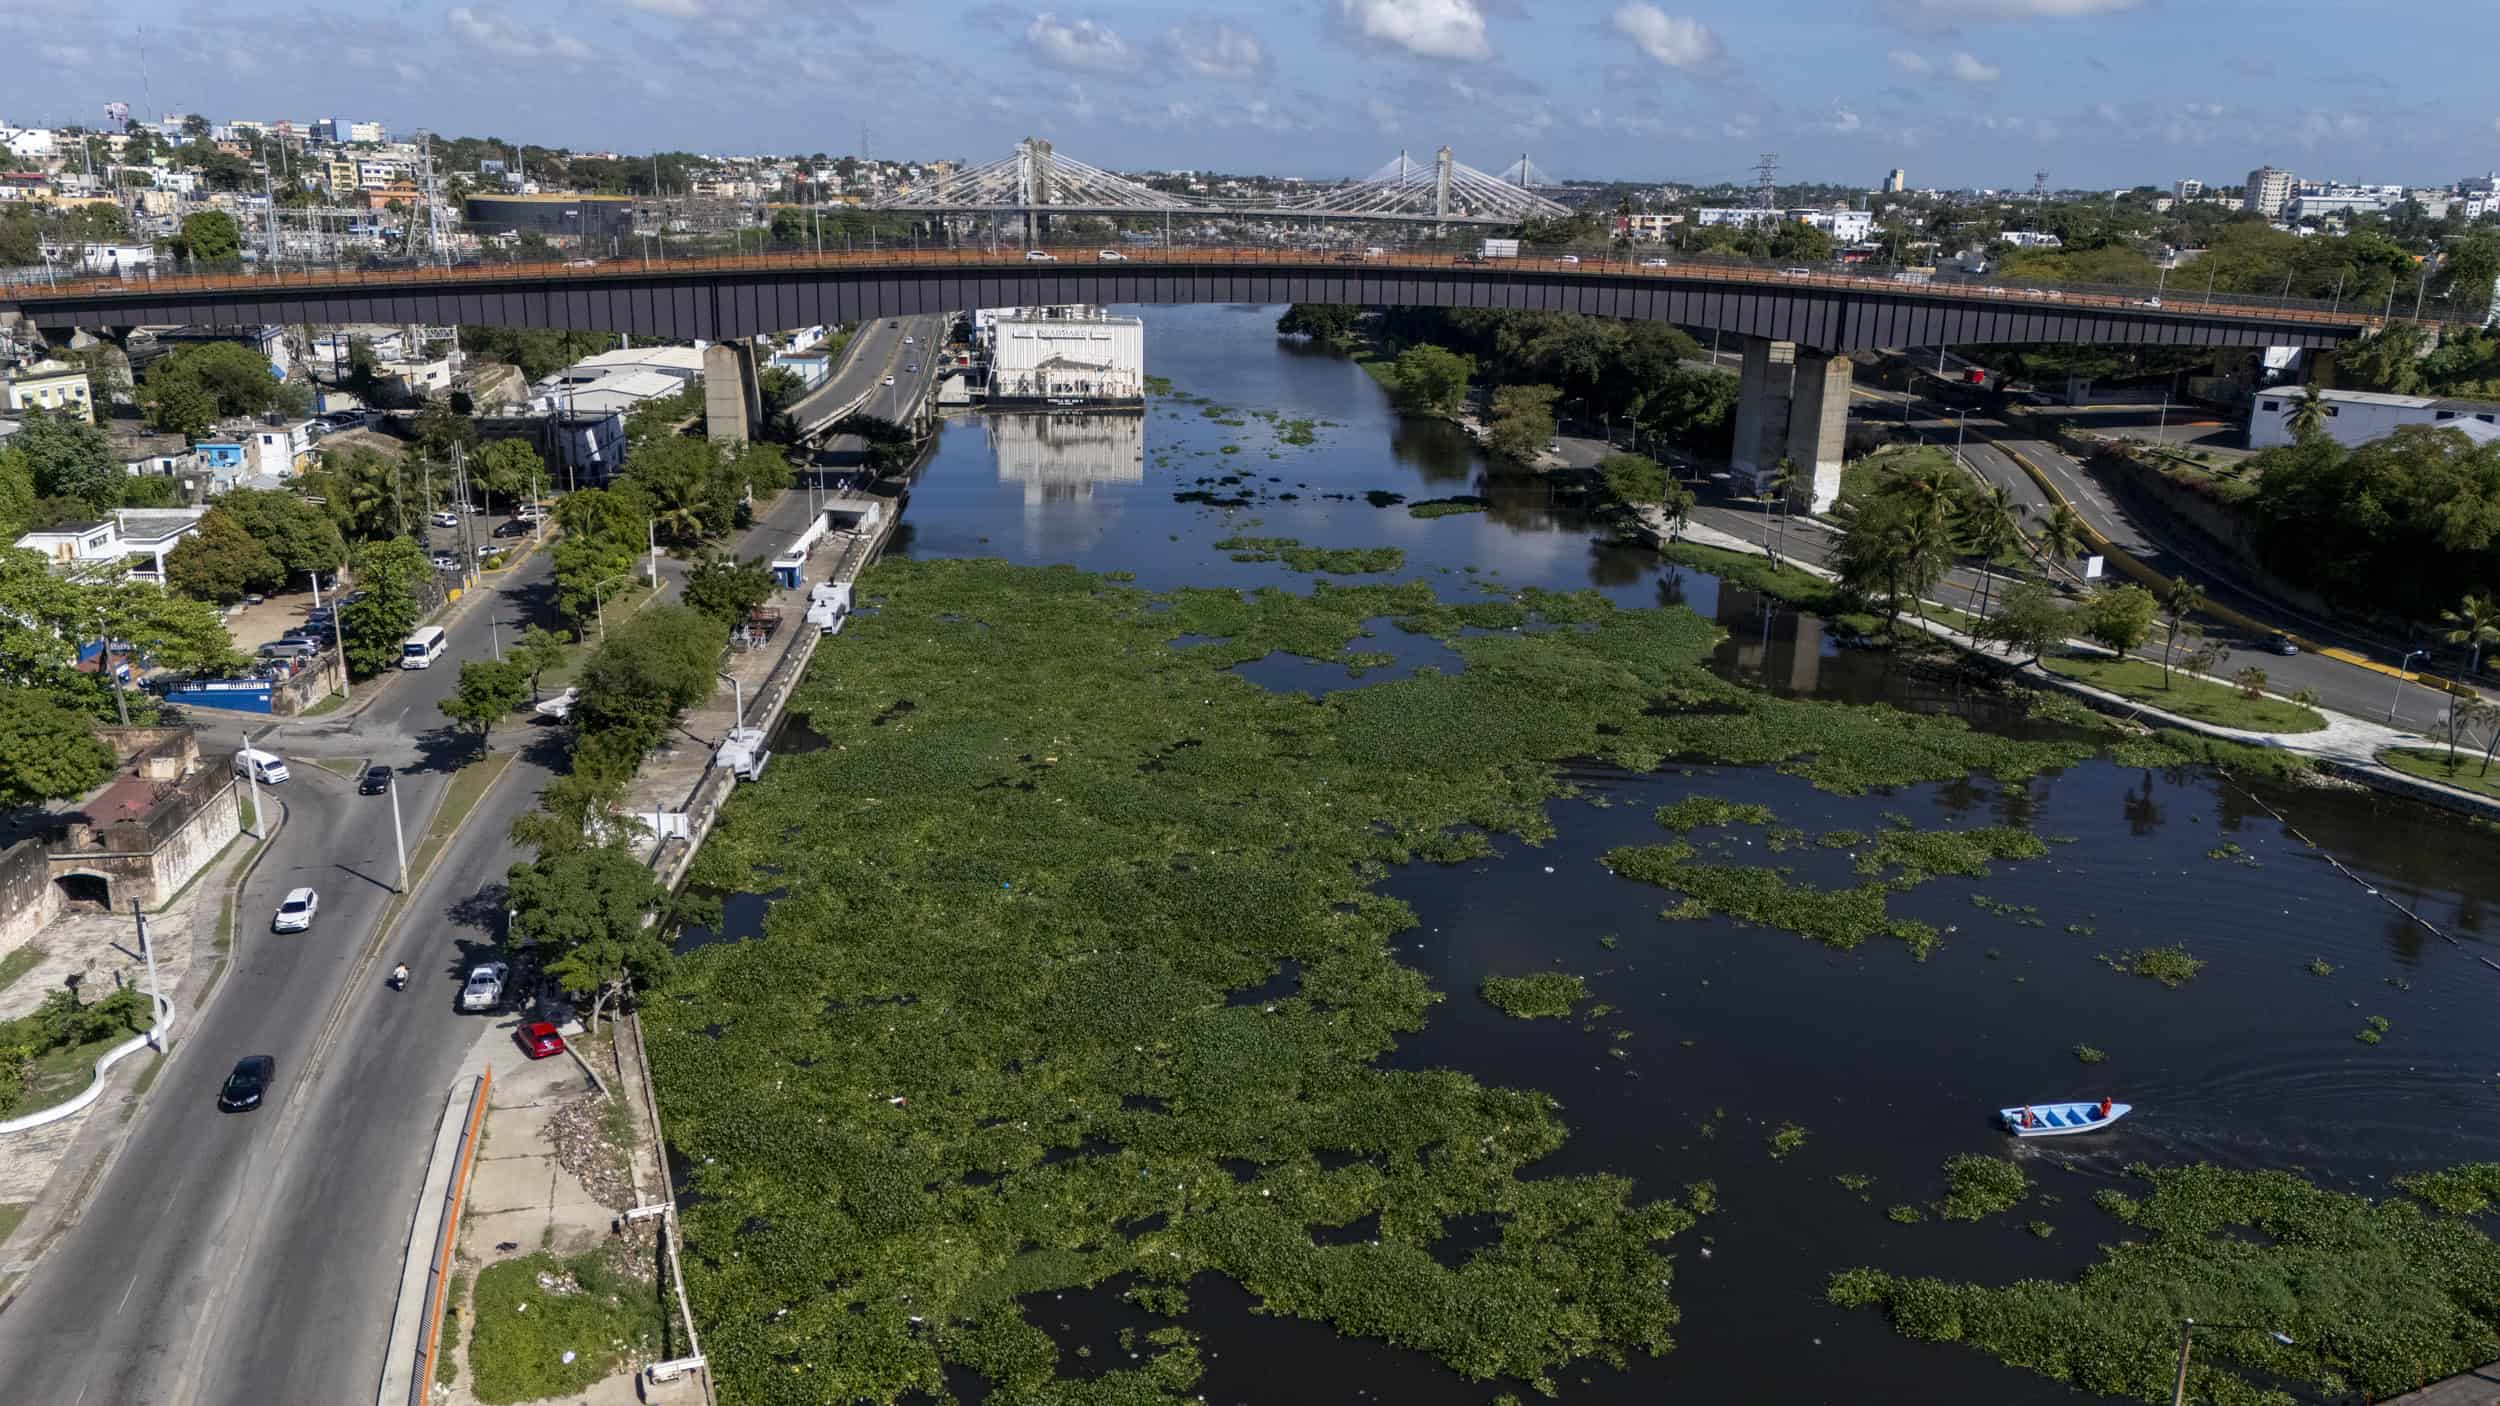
[(1384, 114), (1433, 29), (1081, 45), (1209, 48), (675, 9), (1672, 40), (1932, 14), (66, 55), (1843, 120), (1970, 70), (1909, 62), (499, 36)]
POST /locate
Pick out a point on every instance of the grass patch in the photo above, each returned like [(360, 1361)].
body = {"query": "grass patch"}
[(328, 704), (11, 1214), (2171, 966), (1049, 908), (18, 962), (1446, 507), (1537, 995), (447, 1341), (2232, 1247), (1746, 571), (603, 1314), (2431, 764), (2139, 681)]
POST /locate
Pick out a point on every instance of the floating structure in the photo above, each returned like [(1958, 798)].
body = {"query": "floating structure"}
[(1074, 356)]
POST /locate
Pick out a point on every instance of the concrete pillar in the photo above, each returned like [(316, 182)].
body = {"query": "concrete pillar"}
[(1818, 428), (1762, 394), (732, 393)]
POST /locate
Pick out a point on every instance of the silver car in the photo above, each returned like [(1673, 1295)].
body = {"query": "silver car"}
[(296, 911)]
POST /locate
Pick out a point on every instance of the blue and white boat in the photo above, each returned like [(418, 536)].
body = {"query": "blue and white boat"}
[(2060, 1119)]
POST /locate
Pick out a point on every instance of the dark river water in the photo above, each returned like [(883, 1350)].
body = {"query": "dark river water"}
[(1725, 1031)]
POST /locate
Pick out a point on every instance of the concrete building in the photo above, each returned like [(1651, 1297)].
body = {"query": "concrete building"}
[(683, 363), (2031, 239), (2358, 417), (1844, 226), (54, 386), (111, 260), (618, 392), (2184, 191), (128, 533), (1646, 227), (1896, 181), (1072, 354), (278, 451), (2268, 191)]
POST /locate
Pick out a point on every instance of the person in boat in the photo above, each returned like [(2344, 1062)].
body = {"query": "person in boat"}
[(2103, 1110), (2028, 1120)]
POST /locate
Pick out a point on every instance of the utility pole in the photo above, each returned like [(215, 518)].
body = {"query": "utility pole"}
[(338, 633), (251, 778), (399, 840), (155, 990)]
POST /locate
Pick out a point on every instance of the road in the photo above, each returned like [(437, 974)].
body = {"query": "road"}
[(246, 1259), (877, 352)]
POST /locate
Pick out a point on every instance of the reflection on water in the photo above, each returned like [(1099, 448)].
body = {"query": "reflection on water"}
[(1060, 457)]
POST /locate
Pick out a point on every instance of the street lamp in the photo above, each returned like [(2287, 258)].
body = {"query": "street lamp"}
[(600, 606), (2407, 663), (2187, 1336)]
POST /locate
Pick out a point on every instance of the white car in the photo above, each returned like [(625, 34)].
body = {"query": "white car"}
[(446, 519), (296, 911), (1040, 256), (2148, 302), (1655, 264), (1566, 258), (1795, 272), (908, 340), (559, 707), (484, 990), (889, 380), (445, 561), (1110, 256)]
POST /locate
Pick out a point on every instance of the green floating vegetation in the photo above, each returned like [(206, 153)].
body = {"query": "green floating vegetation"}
[(2318, 966), (2375, 1296), (1785, 1139), (2372, 1030), (1702, 1198), (1297, 431), (1977, 1186), (1696, 811), (2090, 1054), (1855, 1182), (2041, 1228), (1446, 507), (1338, 561), (2171, 966), (1538, 995), (2460, 1191), (1905, 1213)]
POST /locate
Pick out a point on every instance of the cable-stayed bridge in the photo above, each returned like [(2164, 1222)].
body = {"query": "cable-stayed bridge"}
[(1039, 180)]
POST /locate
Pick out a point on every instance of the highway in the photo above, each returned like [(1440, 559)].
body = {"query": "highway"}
[(876, 353)]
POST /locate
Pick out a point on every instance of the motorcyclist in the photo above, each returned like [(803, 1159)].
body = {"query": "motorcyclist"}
[(399, 975)]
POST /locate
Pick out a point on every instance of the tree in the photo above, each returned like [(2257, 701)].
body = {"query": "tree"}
[(47, 752), (299, 537), (1430, 380), (508, 467), (1523, 421), (727, 589), (589, 908), (1677, 506), (489, 689), (650, 669), (2061, 536), (1988, 532), (2118, 617), (681, 479), (2182, 600), (536, 651), (1635, 480), (438, 432), (761, 469), (69, 458), (1892, 549), (220, 562), (182, 408), (210, 237), (2468, 268), (366, 493), (1321, 322), (2309, 416), (2252, 684), (1781, 482), (17, 494), (232, 375), (2473, 623), (377, 622), (2030, 620)]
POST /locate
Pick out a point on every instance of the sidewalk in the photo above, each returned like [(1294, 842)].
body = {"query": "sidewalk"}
[(44, 1168)]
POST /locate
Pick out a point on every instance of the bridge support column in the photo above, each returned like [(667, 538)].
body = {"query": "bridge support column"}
[(733, 394), (1818, 428), (1762, 395)]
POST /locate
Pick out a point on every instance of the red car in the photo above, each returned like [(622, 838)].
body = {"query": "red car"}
[(539, 1040)]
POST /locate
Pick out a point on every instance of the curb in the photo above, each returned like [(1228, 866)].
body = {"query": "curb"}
[(416, 1320)]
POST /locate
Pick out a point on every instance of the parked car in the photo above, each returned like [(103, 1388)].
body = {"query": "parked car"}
[(445, 561), (514, 528), (2280, 643), (484, 990), (248, 1084), (540, 1040), (1110, 256), (296, 911), (375, 782), (446, 519)]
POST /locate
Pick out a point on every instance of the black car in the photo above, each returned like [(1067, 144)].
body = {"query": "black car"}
[(514, 528), (375, 782), (248, 1083)]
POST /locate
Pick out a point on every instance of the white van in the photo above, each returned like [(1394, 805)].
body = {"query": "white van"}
[(267, 768), (420, 650)]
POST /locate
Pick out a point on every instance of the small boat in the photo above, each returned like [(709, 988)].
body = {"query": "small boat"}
[(2059, 1119)]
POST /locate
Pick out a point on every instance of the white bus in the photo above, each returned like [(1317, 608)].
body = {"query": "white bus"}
[(420, 650)]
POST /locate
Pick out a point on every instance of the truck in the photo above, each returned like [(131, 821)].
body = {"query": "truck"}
[(484, 988), (1498, 249)]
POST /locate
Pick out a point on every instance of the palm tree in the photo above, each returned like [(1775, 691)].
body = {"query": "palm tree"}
[(1988, 532), (2479, 713), (2474, 623), (2309, 416), (2180, 601), (2061, 537)]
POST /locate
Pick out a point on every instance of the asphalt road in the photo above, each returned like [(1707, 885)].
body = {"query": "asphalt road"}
[(254, 1257), (877, 351)]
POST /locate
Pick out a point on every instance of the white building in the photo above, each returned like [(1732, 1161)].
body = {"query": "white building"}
[(277, 451), (1844, 226), (617, 393), (683, 363), (2031, 239), (1074, 354), (2269, 190), (2358, 417), (130, 532), (27, 143)]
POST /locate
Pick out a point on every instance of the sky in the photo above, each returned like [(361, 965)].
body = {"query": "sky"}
[(1956, 92)]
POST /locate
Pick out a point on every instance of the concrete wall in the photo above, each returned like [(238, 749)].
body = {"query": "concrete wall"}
[(28, 897), (318, 679), (151, 859)]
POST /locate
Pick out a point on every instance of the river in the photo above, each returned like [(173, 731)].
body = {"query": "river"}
[(1719, 1031)]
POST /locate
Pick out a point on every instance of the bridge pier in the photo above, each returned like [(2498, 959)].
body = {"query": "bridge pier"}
[(1793, 405), (733, 392)]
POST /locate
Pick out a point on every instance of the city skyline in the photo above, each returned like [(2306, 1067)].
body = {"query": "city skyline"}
[(1962, 93)]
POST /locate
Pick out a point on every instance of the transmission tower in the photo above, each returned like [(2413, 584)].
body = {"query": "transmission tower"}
[(1766, 186), (2040, 187)]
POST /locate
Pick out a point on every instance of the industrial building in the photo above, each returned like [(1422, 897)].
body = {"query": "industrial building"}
[(593, 217), (2358, 417), (1068, 355)]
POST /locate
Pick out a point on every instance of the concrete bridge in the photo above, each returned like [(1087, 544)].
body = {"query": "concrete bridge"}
[(1796, 328)]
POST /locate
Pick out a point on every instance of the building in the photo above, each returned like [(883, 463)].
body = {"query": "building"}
[(2268, 191), (1896, 181), (111, 260), (277, 451), (54, 386), (1844, 226), (1646, 227), (2184, 191), (130, 532), (2322, 204), (593, 217), (683, 363), (142, 454), (1072, 354), (2031, 239), (2358, 417), (26, 143)]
